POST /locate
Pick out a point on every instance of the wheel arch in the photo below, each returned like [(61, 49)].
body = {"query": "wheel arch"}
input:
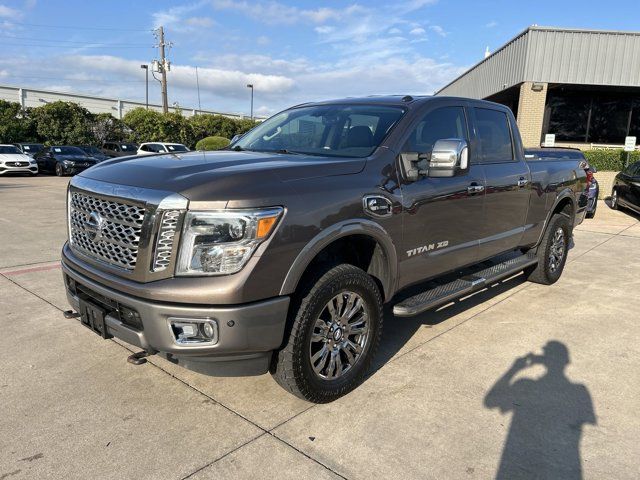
[(376, 255), (564, 202)]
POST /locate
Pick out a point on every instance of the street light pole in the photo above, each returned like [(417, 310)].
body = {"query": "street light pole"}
[(250, 85), (198, 85), (146, 71)]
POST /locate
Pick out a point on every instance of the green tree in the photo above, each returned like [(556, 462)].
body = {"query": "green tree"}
[(15, 123), (107, 127), (63, 123), (207, 125), (145, 125)]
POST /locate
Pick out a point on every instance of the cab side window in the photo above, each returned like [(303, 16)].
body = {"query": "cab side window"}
[(494, 136), (438, 124)]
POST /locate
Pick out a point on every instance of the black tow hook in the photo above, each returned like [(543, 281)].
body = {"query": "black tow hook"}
[(138, 358), (70, 314)]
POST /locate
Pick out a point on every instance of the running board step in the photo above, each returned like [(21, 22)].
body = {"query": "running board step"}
[(442, 294)]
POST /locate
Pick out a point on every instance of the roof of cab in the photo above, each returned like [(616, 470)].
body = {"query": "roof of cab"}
[(410, 101)]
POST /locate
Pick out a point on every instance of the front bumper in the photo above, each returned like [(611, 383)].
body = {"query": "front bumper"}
[(32, 169), (247, 333)]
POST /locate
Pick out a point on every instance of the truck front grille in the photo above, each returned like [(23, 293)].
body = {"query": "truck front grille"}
[(106, 230), (164, 243)]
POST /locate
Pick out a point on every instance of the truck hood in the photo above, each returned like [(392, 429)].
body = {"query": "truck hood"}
[(216, 175)]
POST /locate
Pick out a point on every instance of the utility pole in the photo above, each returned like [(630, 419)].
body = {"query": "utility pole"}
[(162, 67)]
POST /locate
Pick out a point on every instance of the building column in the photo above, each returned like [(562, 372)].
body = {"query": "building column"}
[(533, 97)]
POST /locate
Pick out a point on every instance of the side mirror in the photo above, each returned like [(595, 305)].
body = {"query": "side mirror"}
[(235, 139), (445, 160), (448, 156)]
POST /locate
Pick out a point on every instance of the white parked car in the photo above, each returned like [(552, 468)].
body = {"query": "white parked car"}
[(12, 160), (161, 147)]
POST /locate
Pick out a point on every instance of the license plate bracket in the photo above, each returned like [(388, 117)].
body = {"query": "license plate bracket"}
[(93, 317)]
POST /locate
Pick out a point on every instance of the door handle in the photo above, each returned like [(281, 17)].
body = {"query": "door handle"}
[(522, 182), (475, 188)]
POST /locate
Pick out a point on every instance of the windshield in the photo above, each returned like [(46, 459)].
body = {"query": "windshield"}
[(32, 148), (9, 149), (177, 148), (68, 150), (326, 130)]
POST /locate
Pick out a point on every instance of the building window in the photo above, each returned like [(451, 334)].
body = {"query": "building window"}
[(590, 115), (569, 114)]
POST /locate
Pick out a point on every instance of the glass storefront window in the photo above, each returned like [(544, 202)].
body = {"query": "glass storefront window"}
[(569, 115), (587, 115)]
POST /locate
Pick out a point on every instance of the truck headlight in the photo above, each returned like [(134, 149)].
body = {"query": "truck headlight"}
[(221, 242)]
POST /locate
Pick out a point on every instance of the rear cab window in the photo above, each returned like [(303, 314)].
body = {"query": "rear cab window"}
[(494, 136)]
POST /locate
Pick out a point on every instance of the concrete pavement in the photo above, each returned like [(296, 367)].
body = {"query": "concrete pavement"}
[(447, 399)]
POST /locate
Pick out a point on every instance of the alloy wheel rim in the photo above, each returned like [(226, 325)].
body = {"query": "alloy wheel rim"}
[(339, 336), (614, 198), (557, 250)]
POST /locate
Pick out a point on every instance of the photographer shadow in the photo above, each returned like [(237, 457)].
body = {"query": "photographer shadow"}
[(548, 415)]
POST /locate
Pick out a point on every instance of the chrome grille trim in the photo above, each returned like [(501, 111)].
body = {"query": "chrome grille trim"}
[(164, 240), (119, 236)]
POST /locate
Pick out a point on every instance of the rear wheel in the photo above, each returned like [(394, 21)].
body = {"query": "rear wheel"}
[(552, 252), (333, 338), (59, 170)]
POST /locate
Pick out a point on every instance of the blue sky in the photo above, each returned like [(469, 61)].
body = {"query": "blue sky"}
[(291, 51)]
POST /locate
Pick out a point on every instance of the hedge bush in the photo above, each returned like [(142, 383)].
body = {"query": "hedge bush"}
[(610, 160), (212, 143)]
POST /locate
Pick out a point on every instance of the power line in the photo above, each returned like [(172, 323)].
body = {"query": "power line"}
[(49, 40), (75, 27), (66, 79), (69, 46)]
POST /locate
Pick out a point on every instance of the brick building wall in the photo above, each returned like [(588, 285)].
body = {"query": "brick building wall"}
[(531, 113)]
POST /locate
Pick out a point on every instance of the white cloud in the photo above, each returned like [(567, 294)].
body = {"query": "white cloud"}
[(9, 12), (174, 16), (418, 31), (438, 30), (272, 12), (263, 40), (394, 31), (203, 22), (491, 24)]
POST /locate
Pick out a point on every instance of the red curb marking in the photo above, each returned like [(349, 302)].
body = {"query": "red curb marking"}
[(32, 269)]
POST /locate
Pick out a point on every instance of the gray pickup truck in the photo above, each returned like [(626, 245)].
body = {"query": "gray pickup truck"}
[(278, 253)]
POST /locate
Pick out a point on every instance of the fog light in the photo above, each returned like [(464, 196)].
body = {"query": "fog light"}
[(194, 331)]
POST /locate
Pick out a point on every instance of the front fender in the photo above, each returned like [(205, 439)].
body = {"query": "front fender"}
[(339, 230)]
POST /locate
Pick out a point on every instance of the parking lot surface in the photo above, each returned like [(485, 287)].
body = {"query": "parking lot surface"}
[(451, 395)]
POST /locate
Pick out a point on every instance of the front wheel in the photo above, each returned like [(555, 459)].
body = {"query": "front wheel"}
[(59, 170), (333, 338), (552, 252), (614, 200)]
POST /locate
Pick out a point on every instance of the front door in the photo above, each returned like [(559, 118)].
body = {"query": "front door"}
[(508, 182), (440, 215)]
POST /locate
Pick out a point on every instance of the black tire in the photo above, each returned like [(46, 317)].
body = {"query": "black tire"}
[(549, 269), (615, 204), (292, 366), (59, 170)]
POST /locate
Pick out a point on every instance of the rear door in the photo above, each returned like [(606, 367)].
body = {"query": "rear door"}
[(507, 177), (440, 215)]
